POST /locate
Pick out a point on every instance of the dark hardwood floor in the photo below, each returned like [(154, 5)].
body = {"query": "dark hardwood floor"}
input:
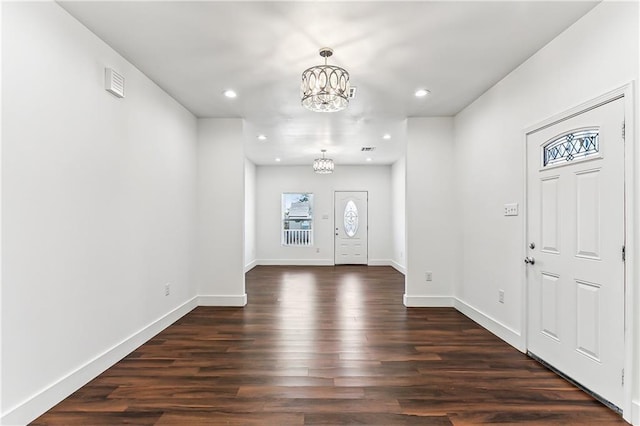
[(327, 345)]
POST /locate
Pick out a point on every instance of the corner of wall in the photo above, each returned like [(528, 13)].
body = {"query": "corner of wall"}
[(249, 266), (431, 245), (398, 267)]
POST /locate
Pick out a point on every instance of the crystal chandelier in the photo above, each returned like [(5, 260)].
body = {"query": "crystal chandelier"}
[(325, 88), (323, 165)]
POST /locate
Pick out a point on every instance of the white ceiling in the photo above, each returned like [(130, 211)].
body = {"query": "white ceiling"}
[(196, 50)]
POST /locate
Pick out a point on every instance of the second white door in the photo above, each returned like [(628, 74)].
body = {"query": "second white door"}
[(575, 232), (351, 228)]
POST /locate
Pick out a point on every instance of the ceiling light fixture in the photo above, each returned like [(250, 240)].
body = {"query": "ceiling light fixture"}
[(421, 93), (230, 93), (262, 138), (323, 165), (325, 88), (277, 160), (386, 136), (368, 158)]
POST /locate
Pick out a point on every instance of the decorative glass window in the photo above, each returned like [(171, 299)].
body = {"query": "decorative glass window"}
[(350, 219), (576, 145), (297, 219)]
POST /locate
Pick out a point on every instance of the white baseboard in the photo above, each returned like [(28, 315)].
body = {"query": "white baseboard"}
[(379, 262), (321, 262), (504, 332), (428, 301), (249, 266), (217, 300), (398, 267), (39, 403), (635, 413), (295, 262)]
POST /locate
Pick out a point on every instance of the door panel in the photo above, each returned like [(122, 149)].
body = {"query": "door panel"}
[(549, 305), (588, 318), (575, 220), (550, 215), (351, 227), (588, 217)]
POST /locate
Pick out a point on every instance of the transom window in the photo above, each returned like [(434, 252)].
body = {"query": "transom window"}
[(577, 145)]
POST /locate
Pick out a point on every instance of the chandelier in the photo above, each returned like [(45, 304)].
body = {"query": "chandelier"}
[(325, 88), (323, 165)]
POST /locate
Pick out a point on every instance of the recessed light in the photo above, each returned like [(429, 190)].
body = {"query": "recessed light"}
[(230, 93), (420, 93), (386, 136), (368, 158), (277, 160), (262, 137)]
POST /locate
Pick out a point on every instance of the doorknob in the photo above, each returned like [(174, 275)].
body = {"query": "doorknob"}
[(529, 260)]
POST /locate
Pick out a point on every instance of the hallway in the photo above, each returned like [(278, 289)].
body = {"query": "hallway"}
[(327, 345)]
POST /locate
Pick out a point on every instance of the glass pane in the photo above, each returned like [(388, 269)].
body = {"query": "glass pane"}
[(297, 219), (575, 145), (350, 219)]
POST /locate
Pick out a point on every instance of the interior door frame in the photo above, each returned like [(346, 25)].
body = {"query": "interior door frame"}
[(632, 239), (334, 220)]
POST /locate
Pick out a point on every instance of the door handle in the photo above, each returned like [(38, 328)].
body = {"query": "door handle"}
[(529, 260)]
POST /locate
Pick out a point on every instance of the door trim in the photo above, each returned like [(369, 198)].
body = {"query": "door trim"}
[(631, 163)]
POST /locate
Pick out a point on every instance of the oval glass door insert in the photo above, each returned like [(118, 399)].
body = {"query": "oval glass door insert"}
[(350, 219)]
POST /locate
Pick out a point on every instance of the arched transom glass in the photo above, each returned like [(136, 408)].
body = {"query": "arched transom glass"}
[(350, 219), (574, 146)]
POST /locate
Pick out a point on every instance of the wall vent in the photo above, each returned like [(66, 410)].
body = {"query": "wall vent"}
[(352, 92), (367, 148), (114, 82)]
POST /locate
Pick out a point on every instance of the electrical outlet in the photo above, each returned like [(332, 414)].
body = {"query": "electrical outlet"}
[(167, 289), (511, 209), (501, 296), (428, 276)]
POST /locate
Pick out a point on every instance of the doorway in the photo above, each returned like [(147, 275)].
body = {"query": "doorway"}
[(575, 240), (351, 228)]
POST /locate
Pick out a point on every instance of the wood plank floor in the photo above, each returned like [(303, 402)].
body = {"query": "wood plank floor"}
[(327, 346)]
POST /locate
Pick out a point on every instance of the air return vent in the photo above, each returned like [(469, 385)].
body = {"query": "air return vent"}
[(114, 82), (367, 148)]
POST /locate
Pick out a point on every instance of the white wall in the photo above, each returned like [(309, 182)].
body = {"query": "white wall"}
[(221, 213), (249, 215), (431, 217), (398, 213), (1, 273), (272, 181), (597, 54), (98, 207)]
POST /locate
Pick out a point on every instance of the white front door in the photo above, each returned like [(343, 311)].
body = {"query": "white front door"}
[(575, 237), (351, 228)]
